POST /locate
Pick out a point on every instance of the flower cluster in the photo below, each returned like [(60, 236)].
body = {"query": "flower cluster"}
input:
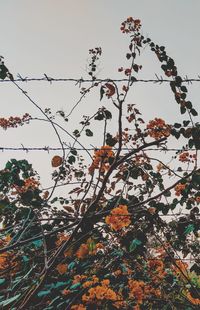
[(29, 184), (101, 159), (186, 157), (8, 260), (136, 290), (180, 269), (156, 270), (140, 290), (158, 129), (13, 122), (100, 292), (89, 248), (179, 188), (130, 25), (118, 218)]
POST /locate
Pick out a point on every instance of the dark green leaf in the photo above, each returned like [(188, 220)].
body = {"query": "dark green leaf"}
[(177, 125), (178, 81), (3, 72), (108, 114), (89, 133), (188, 105), (74, 152), (99, 116), (189, 229), (191, 143), (183, 110), (184, 89), (193, 112), (71, 159), (102, 92), (134, 244), (186, 123)]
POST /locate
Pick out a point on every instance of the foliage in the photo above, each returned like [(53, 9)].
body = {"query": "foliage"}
[(114, 241)]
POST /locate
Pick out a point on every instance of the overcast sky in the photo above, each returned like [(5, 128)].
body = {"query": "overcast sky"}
[(54, 36)]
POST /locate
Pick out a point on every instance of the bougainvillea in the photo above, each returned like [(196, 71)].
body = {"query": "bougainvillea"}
[(125, 235)]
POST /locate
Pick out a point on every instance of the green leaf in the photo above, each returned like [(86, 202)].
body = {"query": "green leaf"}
[(133, 245), (59, 284), (37, 243), (89, 133), (71, 265), (43, 293), (2, 281), (8, 301), (75, 286), (189, 229), (25, 258)]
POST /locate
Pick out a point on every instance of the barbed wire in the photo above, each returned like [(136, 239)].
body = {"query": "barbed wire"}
[(81, 80), (49, 149)]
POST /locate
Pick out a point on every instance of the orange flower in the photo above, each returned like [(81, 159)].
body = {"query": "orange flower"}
[(136, 290), (157, 129), (82, 251), (105, 282), (118, 218), (179, 188), (62, 268), (194, 301), (180, 269), (61, 238), (99, 292), (78, 307), (156, 271), (66, 292), (130, 25), (101, 159)]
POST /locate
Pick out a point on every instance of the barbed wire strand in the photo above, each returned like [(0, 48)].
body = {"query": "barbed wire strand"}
[(48, 149), (79, 81)]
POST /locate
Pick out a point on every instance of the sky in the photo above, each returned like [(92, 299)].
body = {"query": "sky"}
[(53, 37)]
